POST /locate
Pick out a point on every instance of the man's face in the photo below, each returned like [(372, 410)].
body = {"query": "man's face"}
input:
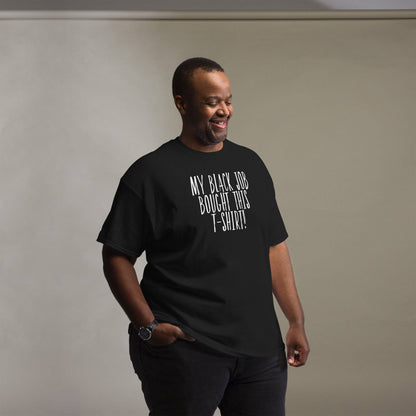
[(208, 107)]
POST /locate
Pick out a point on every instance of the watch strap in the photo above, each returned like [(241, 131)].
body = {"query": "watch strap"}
[(152, 325)]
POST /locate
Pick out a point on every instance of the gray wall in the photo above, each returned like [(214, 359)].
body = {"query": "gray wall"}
[(329, 105)]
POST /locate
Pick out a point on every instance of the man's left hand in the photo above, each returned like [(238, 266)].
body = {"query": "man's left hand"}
[(297, 346)]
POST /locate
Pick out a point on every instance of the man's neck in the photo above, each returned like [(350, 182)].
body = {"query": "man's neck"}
[(196, 145)]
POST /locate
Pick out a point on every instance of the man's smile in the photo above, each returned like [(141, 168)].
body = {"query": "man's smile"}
[(221, 124)]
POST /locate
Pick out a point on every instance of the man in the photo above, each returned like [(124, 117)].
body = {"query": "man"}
[(203, 332)]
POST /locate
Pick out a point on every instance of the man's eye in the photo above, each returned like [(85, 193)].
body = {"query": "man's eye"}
[(212, 104), (228, 103)]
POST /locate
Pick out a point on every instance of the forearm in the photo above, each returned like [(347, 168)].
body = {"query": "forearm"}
[(284, 287), (122, 279)]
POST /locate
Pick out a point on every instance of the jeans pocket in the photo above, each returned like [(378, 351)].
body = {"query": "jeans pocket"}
[(162, 346)]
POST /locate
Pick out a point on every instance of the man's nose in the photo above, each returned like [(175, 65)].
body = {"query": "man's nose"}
[(224, 110)]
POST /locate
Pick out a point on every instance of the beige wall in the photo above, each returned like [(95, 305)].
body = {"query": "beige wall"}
[(329, 105)]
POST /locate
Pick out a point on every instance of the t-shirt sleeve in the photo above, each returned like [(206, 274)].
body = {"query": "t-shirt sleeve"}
[(126, 227), (277, 229), (276, 226)]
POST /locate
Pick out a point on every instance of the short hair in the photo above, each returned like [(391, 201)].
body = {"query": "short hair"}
[(181, 81)]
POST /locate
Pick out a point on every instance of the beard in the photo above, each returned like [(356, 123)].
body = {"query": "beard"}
[(207, 136)]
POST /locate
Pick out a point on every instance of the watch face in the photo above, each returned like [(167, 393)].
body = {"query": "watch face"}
[(145, 334)]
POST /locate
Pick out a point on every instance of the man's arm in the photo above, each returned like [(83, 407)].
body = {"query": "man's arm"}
[(122, 279), (284, 290)]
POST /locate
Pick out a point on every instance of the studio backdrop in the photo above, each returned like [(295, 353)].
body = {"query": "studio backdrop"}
[(329, 104)]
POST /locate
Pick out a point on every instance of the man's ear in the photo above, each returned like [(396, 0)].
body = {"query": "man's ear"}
[(180, 104)]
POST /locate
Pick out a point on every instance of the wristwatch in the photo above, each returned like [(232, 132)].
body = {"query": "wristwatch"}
[(145, 332)]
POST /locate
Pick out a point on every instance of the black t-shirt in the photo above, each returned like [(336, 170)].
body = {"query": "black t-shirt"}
[(206, 221)]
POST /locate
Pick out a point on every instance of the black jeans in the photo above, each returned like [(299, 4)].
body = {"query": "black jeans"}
[(188, 379)]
